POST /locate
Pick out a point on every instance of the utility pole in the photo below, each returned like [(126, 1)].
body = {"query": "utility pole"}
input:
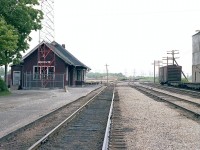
[(107, 72), (167, 59), (156, 63), (173, 52)]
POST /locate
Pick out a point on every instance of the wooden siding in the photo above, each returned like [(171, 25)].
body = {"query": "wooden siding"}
[(60, 67), (32, 60)]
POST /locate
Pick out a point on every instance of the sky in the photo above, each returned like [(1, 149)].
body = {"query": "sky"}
[(128, 35)]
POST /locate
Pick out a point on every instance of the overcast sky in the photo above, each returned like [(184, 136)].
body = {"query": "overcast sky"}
[(127, 35)]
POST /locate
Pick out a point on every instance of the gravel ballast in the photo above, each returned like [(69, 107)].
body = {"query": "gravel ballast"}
[(150, 124)]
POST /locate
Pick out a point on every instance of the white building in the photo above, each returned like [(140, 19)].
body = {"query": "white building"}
[(196, 57)]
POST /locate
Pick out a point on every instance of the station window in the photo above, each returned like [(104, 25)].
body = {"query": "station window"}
[(43, 72), (51, 72), (36, 72)]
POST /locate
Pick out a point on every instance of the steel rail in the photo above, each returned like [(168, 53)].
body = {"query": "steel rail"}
[(108, 126), (185, 91), (53, 131), (176, 105), (181, 99)]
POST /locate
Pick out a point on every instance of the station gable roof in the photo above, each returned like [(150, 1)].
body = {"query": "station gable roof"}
[(61, 52)]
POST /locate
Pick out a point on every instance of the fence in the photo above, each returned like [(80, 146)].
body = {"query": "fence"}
[(35, 81)]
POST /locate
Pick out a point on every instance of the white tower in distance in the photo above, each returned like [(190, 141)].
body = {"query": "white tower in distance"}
[(47, 32)]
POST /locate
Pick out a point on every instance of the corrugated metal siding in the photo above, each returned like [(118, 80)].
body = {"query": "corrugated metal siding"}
[(196, 73)]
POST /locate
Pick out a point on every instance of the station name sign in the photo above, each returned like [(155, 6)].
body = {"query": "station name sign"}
[(44, 62)]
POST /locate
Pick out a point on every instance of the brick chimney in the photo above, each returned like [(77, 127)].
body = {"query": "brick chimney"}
[(63, 45)]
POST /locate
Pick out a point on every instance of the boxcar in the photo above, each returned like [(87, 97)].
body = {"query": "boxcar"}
[(170, 73)]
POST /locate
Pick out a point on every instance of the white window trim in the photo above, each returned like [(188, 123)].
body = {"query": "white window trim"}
[(41, 73)]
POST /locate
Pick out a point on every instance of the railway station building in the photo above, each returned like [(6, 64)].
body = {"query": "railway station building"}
[(48, 65), (196, 57)]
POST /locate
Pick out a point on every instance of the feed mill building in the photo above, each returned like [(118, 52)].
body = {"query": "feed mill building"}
[(196, 57), (48, 65)]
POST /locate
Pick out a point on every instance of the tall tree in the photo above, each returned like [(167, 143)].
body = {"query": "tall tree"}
[(24, 17), (8, 43)]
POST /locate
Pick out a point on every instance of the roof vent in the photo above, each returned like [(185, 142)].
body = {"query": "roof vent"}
[(63, 45)]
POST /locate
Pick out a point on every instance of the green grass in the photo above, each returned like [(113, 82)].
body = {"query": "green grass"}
[(4, 93)]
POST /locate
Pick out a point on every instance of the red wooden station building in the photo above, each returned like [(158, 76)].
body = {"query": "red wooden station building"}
[(48, 65)]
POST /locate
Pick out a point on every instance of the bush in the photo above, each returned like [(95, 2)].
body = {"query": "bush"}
[(184, 80), (3, 86)]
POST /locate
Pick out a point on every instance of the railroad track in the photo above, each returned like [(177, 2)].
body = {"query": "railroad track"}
[(84, 126), (116, 138), (26, 136), (85, 131), (191, 93), (187, 105)]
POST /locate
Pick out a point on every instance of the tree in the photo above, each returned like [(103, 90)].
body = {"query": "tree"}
[(24, 17), (8, 43)]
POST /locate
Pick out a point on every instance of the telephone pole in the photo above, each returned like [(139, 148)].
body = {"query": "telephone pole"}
[(155, 63), (174, 62), (173, 52), (107, 72)]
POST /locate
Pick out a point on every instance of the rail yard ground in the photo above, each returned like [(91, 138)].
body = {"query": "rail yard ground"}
[(146, 123), (25, 106), (150, 124)]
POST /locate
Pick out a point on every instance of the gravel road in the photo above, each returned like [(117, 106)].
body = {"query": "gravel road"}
[(153, 125)]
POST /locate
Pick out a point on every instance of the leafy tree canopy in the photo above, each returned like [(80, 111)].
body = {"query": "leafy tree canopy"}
[(8, 41), (97, 75), (24, 17)]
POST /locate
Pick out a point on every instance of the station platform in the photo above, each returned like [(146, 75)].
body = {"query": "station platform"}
[(25, 106)]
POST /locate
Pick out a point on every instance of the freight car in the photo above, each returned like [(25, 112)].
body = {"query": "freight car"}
[(169, 74)]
